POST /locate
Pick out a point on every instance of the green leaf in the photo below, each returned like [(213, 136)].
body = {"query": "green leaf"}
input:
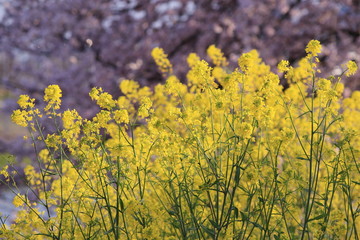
[(94, 198), (214, 224), (49, 173), (303, 114), (319, 203), (244, 216), (357, 183), (317, 217), (236, 212), (121, 205), (208, 231), (237, 175), (6, 159), (43, 234), (257, 225)]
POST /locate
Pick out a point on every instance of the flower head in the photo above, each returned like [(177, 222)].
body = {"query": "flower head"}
[(19, 200), (121, 116), (103, 99), (217, 56), (161, 60), (69, 117), (283, 66), (145, 106), (352, 68), (21, 117), (313, 48), (192, 59), (4, 171), (25, 101), (128, 86), (249, 60), (52, 97)]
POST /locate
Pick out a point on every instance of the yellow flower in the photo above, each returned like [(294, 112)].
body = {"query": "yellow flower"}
[(199, 138), (144, 91), (44, 155), (25, 101), (123, 102), (302, 73), (144, 108), (52, 97), (105, 101), (201, 73), (19, 200), (69, 117), (95, 92), (21, 117), (102, 117), (174, 86), (313, 48), (217, 56), (283, 66), (128, 86), (161, 60), (121, 116), (324, 84), (4, 171), (53, 141), (249, 60), (192, 59), (351, 68), (245, 130), (219, 73)]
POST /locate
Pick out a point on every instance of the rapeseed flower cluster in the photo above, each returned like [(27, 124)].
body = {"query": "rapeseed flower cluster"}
[(217, 56), (228, 155), (162, 61), (52, 96)]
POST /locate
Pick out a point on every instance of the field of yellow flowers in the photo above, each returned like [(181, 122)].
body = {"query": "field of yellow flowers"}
[(228, 155)]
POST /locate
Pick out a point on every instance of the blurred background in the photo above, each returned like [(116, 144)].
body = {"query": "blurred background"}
[(79, 44)]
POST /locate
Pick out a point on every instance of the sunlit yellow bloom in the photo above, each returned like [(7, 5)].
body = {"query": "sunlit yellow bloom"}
[(121, 116), (161, 60), (52, 97), (198, 154), (201, 73), (313, 48), (144, 108), (19, 200), (53, 141), (324, 84), (174, 86), (95, 92), (21, 117), (283, 66), (192, 59), (26, 102), (351, 68), (4, 171), (217, 56), (105, 101), (102, 118), (245, 130), (69, 117), (128, 86), (44, 155)]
